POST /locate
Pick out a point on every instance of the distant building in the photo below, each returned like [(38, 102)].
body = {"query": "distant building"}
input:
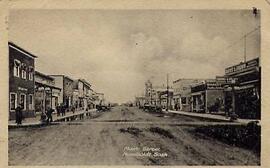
[(101, 98), (157, 91), (166, 96), (148, 92), (21, 81), (182, 93), (47, 94), (65, 83), (139, 101), (84, 90)]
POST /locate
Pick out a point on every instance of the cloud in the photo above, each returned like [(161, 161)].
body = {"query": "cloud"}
[(117, 50)]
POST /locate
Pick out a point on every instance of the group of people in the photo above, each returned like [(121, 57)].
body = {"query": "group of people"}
[(45, 117), (61, 110)]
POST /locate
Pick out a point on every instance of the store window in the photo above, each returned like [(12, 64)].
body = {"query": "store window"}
[(13, 101), (23, 101), (31, 102)]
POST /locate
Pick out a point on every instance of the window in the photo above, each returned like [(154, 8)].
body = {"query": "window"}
[(16, 68), (23, 74), (31, 73), (23, 67), (183, 100), (31, 102), (23, 101), (13, 101)]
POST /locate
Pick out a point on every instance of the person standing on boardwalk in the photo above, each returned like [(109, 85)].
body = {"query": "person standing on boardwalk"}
[(19, 115), (49, 115), (63, 109), (58, 110), (73, 109)]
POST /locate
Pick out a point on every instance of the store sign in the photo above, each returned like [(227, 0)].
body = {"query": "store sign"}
[(242, 66), (226, 80), (214, 86), (22, 89)]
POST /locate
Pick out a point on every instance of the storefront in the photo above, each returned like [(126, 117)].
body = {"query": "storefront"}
[(207, 97), (244, 96), (46, 95)]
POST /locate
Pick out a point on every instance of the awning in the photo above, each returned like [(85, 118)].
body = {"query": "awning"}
[(197, 93), (229, 89), (38, 84)]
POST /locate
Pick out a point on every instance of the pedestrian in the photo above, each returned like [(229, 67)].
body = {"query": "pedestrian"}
[(65, 109), (58, 110), (62, 109), (49, 115), (19, 116), (73, 109)]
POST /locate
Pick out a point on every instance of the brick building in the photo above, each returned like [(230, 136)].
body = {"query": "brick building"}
[(21, 81)]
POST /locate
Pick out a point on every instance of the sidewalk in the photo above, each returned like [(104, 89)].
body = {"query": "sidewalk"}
[(211, 116), (35, 121)]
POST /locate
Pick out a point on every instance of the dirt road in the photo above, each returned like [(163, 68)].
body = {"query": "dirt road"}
[(112, 143)]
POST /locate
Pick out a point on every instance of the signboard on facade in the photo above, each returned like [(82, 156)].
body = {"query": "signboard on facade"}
[(226, 80), (214, 86), (22, 89), (242, 67)]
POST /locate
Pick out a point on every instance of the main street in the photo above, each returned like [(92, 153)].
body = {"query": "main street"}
[(123, 136)]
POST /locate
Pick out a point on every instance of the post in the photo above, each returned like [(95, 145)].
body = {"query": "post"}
[(167, 92), (151, 95), (44, 100), (233, 96), (233, 100), (51, 97), (245, 48)]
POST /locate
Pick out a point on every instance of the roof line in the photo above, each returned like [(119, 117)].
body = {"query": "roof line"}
[(14, 46)]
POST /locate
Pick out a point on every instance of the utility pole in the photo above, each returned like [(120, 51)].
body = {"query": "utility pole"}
[(167, 92), (245, 48)]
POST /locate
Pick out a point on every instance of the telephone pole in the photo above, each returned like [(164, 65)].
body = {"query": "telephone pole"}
[(245, 48), (167, 92)]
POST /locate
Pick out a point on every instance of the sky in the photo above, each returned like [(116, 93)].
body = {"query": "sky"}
[(118, 50)]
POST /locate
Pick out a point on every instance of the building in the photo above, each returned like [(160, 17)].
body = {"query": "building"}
[(164, 97), (139, 101), (182, 93), (83, 99), (21, 81), (207, 95), (243, 89), (100, 98), (46, 93), (65, 83), (148, 92)]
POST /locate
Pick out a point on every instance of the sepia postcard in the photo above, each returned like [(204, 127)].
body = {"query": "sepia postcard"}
[(134, 83)]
